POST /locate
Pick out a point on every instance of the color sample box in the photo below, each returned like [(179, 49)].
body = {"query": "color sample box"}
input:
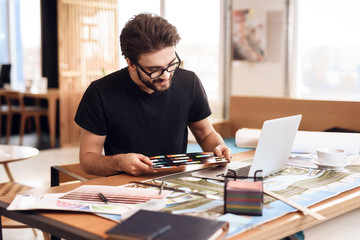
[(180, 160), (243, 197)]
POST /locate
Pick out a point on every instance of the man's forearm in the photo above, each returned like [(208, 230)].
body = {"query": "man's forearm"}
[(98, 164), (211, 141)]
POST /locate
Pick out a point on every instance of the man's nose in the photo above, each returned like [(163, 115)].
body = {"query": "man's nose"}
[(165, 75)]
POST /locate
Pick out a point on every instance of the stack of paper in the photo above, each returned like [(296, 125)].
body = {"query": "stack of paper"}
[(306, 141), (119, 200)]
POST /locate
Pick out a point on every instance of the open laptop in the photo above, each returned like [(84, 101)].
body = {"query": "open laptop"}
[(271, 154)]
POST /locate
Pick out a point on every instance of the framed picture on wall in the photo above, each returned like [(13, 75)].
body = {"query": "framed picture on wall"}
[(248, 35)]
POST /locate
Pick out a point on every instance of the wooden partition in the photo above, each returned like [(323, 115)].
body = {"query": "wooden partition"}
[(88, 49), (251, 112)]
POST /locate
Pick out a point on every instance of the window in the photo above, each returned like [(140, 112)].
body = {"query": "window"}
[(328, 50), (30, 39), (20, 42), (127, 9), (4, 53), (199, 28)]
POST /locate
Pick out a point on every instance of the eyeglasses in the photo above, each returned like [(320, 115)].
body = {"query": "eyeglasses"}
[(157, 73)]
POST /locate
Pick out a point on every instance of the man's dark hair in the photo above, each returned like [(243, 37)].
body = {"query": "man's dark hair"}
[(146, 33)]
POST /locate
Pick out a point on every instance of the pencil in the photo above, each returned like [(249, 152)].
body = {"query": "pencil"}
[(103, 198)]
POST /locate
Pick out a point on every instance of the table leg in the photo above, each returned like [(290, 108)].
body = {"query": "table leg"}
[(54, 237), (52, 120), (54, 176), (7, 170)]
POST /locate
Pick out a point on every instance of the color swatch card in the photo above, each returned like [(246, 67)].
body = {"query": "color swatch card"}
[(87, 198), (113, 195), (181, 160)]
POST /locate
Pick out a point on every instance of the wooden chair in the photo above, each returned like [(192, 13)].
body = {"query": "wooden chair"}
[(16, 105), (9, 188), (13, 188)]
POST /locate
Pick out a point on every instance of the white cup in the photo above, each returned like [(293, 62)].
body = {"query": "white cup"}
[(331, 156)]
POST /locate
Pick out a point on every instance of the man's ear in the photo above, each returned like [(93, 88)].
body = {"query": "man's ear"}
[(131, 65)]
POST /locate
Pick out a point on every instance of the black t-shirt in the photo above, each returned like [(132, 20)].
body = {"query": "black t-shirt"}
[(137, 122)]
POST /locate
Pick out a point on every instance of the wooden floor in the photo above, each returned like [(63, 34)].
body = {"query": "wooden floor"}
[(36, 172)]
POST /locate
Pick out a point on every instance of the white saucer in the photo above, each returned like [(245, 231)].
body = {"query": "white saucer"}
[(329, 166)]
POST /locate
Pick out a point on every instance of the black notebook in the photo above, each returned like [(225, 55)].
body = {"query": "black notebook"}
[(160, 225)]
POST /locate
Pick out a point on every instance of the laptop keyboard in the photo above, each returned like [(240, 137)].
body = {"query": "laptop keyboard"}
[(240, 172)]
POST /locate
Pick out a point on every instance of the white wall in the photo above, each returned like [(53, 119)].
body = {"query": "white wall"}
[(266, 78)]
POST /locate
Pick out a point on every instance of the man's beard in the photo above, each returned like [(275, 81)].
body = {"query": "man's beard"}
[(151, 83)]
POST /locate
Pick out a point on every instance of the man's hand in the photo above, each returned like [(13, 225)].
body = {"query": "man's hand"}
[(223, 151), (134, 163)]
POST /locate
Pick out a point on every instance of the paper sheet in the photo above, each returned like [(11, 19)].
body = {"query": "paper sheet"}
[(306, 141), (85, 198)]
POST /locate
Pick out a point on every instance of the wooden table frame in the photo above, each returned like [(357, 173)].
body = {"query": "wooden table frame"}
[(52, 96), (88, 226), (68, 173)]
